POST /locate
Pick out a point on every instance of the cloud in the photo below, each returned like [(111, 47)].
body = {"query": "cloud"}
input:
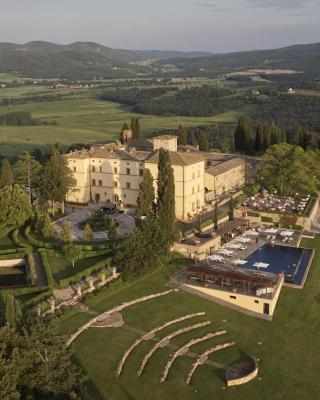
[(212, 6), (283, 4)]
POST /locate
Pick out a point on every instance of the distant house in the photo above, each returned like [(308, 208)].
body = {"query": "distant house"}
[(291, 91)]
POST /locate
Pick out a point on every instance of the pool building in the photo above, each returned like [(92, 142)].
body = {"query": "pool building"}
[(254, 286)]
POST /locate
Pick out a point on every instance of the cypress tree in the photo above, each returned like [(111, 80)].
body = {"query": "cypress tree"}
[(166, 197), (231, 209), (87, 232), (215, 215), (182, 136), (138, 130), (243, 136), (46, 226), (133, 127), (6, 177), (203, 142), (266, 136), (65, 233), (146, 197), (259, 138)]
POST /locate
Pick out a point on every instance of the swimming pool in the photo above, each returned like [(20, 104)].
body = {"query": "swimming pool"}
[(293, 261)]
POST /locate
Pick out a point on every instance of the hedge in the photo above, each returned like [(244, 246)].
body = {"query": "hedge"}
[(85, 273), (36, 242), (297, 227), (37, 299), (23, 291), (19, 253), (266, 219), (17, 239), (253, 214), (11, 251), (47, 269)]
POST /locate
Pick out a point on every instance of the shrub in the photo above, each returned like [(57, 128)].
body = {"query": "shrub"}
[(266, 219), (18, 240), (253, 214), (47, 269)]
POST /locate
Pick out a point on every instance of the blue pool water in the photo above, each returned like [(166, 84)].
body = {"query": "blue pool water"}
[(292, 261)]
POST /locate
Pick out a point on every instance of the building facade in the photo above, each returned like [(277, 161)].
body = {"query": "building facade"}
[(114, 173)]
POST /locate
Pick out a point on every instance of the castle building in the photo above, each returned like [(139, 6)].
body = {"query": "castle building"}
[(113, 173)]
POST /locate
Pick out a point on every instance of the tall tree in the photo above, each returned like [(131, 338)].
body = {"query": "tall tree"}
[(65, 233), (87, 232), (182, 136), (6, 176), (231, 209), (72, 253), (138, 130), (203, 142), (56, 179), (259, 144), (215, 215), (266, 136), (166, 196), (27, 171), (46, 226), (146, 197), (243, 136), (15, 208)]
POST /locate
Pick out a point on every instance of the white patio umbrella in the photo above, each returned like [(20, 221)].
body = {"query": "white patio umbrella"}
[(286, 233), (252, 233), (216, 257), (271, 230), (225, 252), (261, 265), (244, 240), (239, 262)]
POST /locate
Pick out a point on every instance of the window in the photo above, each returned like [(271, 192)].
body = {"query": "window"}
[(193, 190), (193, 175), (115, 184), (93, 168), (115, 170), (128, 185), (233, 297), (193, 206), (141, 172), (198, 188), (128, 171), (256, 301), (100, 182), (93, 182), (198, 173), (100, 168), (74, 169)]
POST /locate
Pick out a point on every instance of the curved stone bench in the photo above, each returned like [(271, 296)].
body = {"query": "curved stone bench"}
[(115, 309), (150, 335), (241, 373), (185, 348), (166, 341), (204, 356)]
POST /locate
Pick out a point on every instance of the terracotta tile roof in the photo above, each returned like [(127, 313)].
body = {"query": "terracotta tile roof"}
[(225, 166), (176, 158)]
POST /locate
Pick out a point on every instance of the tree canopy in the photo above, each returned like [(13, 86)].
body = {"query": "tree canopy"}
[(15, 208), (290, 169)]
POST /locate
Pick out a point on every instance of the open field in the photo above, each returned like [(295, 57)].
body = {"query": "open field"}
[(287, 350), (83, 119)]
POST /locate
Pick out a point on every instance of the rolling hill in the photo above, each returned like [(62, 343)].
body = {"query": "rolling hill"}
[(79, 60)]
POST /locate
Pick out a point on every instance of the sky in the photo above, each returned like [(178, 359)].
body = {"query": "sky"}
[(211, 25)]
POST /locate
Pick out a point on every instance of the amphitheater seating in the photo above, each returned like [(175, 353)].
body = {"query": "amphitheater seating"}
[(204, 356), (149, 336), (118, 308), (166, 341), (185, 348)]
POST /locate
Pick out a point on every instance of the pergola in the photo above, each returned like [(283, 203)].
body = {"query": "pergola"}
[(227, 278)]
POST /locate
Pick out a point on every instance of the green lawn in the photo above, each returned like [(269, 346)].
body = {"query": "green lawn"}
[(83, 118), (289, 351), (62, 268)]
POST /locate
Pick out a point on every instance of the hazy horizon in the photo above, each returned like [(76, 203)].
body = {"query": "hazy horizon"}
[(187, 25)]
